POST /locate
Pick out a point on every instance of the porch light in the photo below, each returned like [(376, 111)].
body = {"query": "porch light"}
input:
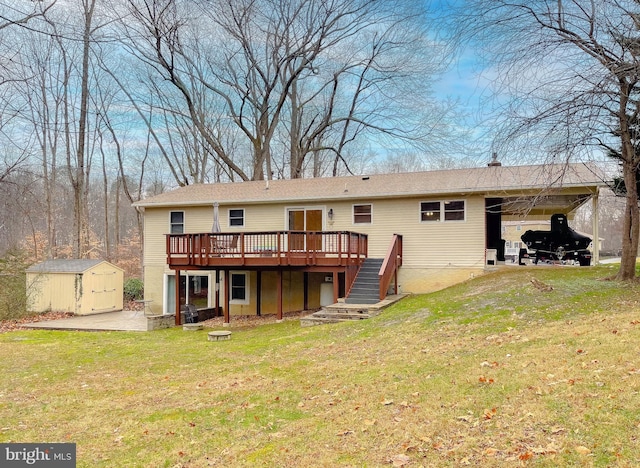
[(330, 214)]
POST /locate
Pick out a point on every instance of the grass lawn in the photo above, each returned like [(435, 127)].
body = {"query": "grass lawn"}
[(493, 371)]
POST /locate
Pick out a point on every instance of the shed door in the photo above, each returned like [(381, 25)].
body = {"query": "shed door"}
[(105, 290)]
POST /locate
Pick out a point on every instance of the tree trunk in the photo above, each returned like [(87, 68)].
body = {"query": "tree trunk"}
[(81, 223), (631, 225)]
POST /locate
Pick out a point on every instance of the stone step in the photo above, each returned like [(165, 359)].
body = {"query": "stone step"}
[(310, 321), (340, 315), (343, 312), (361, 300)]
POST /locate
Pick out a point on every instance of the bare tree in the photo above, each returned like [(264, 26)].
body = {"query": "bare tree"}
[(14, 14), (155, 40), (296, 79), (567, 75)]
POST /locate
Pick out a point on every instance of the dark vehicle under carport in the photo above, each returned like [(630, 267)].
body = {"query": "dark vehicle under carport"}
[(561, 243)]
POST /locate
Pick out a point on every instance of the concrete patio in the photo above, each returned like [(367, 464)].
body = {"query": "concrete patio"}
[(125, 320)]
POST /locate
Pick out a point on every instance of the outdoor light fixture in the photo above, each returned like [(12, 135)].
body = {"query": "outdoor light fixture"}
[(330, 213)]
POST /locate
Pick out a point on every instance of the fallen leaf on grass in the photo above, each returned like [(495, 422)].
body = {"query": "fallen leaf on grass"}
[(488, 414), (400, 460), (581, 449), (526, 456), (489, 364), (490, 452)]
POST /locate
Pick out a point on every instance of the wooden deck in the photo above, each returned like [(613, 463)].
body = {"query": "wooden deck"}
[(266, 249)]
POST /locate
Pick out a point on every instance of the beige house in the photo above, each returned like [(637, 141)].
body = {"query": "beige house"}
[(269, 247), (78, 286)]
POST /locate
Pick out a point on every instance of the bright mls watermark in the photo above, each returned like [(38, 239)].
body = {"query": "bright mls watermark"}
[(38, 455)]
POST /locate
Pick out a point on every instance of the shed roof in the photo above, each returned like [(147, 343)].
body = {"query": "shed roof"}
[(490, 181), (75, 265)]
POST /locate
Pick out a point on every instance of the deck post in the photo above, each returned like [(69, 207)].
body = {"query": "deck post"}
[(217, 292), (305, 292), (336, 287), (226, 296), (178, 319), (279, 293), (259, 293)]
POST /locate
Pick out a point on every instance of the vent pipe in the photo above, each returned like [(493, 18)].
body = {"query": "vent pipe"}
[(494, 161)]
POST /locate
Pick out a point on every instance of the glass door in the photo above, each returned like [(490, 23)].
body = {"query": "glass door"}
[(304, 221)]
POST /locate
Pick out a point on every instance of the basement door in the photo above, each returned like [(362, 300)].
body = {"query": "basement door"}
[(308, 220)]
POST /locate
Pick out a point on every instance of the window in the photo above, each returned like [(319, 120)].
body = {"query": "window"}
[(430, 211), (362, 214), (454, 210), (442, 211), (177, 222), (239, 288), (236, 217), (518, 228)]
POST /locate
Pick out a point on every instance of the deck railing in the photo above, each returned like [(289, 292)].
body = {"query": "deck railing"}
[(389, 268), (294, 248)]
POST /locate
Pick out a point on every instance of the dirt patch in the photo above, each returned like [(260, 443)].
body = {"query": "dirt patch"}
[(243, 321)]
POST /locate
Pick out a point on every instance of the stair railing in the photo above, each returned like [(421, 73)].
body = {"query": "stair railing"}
[(389, 269)]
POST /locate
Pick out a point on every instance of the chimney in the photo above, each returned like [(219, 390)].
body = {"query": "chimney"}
[(494, 161)]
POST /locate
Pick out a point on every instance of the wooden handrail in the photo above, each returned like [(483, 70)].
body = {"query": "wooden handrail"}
[(392, 261)]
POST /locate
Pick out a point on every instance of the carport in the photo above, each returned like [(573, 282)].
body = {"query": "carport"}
[(561, 189)]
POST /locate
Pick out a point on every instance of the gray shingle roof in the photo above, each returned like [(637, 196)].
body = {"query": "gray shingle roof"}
[(64, 266), (487, 180)]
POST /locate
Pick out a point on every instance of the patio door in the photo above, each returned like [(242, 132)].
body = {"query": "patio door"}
[(171, 293), (303, 219)]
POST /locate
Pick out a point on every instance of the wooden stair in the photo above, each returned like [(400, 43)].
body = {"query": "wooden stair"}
[(366, 287)]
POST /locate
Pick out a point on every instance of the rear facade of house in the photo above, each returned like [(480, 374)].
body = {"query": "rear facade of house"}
[(446, 222)]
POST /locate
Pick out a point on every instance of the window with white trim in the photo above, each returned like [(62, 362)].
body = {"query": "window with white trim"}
[(236, 217), (176, 222), (239, 287), (430, 211), (454, 210), (362, 214), (450, 210)]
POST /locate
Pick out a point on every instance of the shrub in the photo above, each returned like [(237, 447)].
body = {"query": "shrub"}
[(133, 289), (13, 294)]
